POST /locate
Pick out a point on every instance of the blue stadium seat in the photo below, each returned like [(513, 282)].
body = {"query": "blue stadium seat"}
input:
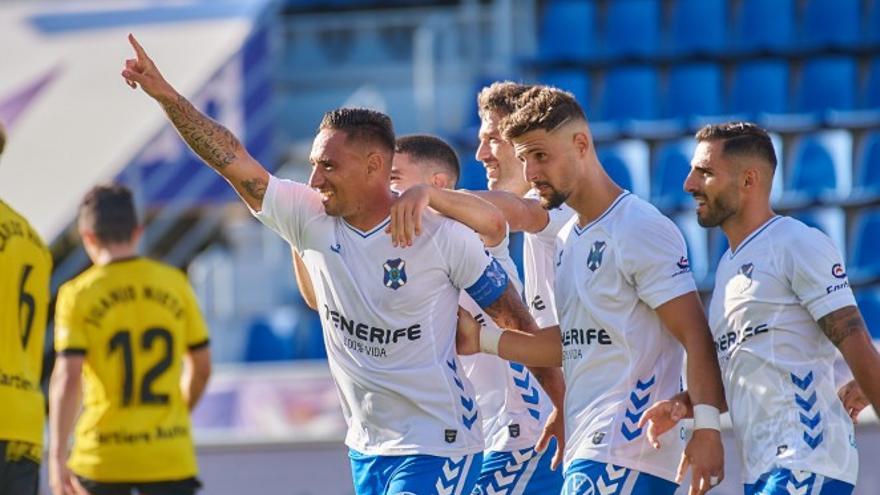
[(694, 89), (632, 28), (831, 221), (867, 167), (760, 87), (627, 162), (567, 31), (265, 344), (827, 83), (872, 27), (629, 92), (473, 175), (765, 25), (831, 23), (698, 26), (671, 164), (869, 304), (871, 96), (572, 80), (821, 166), (865, 258)]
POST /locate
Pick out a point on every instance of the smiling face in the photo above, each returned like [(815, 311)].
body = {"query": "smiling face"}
[(339, 172), (713, 182), (550, 162), (503, 171)]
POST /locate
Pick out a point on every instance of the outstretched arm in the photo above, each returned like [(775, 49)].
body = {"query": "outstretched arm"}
[(213, 142), (846, 329), (480, 215), (522, 214)]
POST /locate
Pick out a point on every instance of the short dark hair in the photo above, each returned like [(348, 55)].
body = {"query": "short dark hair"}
[(740, 139), (361, 124), (427, 148), (108, 211), (500, 97), (541, 107)]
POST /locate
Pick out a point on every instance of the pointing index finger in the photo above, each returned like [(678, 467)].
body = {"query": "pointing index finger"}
[(142, 55)]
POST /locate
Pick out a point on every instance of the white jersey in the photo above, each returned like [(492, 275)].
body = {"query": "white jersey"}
[(389, 318), (777, 365), (618, 358), (539, 264), (513, 404)]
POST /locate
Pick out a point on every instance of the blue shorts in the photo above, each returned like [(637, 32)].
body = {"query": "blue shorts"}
[(520, 472), (585, 477), (414, 474), (786, 482)]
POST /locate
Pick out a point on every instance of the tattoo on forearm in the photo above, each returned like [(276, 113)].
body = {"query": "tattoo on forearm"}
[(840, 324), (256, 187), (215, 144), (510, 312)]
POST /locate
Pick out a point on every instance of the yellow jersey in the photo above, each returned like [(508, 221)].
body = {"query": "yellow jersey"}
[(25, 268), (132, 320)]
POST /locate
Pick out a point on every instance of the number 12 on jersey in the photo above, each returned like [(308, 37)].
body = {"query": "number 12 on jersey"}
[(121, 341)]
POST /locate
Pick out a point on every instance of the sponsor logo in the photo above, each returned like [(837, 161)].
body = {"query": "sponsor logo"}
[(729, 340), (513, 430), (684, 266), (538, 303), (395, 273), (336, 248), (838, 271), (594, 259), (579, 483), (580, 336), (450, 435)]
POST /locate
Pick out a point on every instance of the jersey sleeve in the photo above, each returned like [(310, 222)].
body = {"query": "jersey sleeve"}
[(816, 272), (70, 336), (287, 207), (654, 260), (471, 268), (196, 329)]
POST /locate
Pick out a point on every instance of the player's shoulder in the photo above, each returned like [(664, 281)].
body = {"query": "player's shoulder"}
[(9, 214), (631, 217), (789, 235)]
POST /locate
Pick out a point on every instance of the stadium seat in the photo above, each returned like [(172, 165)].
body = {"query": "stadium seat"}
[(627, 162), (567, 31), (473, 175), (764, 25), (831, 221), (864, 262), (872, 27), (629, 92), (869, 304), (694, 89), (698, 26), (265, 344), (572, 80), (759, 87), (671, 164), (867, 167), (821, 166), (830, 23), (871, 95), (632, 28), (827, 83)]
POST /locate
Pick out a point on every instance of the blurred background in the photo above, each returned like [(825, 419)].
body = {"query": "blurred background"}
[(648, 73)]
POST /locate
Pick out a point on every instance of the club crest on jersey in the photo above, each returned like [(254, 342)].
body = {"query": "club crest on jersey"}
[(579, 483), (747, 270), (395, 273), (449, 435), (513, 430), (594, 260), (838, 271)]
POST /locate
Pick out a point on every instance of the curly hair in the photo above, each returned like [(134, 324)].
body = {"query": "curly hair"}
[(500, 97)]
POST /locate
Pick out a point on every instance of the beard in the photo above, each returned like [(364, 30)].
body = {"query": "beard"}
[(552, 199), (715, 211)]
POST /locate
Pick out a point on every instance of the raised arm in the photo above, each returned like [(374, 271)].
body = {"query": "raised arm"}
[(479, 215), (213, 142), (846, 329)]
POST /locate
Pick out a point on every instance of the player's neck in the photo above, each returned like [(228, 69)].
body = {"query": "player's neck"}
[(593, 196), (745, 222), (372, 213), (108, 254)]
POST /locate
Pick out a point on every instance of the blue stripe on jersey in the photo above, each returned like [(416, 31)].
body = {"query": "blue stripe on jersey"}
[(489, 287)]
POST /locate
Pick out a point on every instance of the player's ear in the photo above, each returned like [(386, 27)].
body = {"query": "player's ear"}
[(750, 177), (439, 179), (376, 163), (581, 143)]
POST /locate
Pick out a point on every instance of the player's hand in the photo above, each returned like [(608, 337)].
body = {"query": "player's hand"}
[(554, 427), (61, 480), (406, 215), (662, 417), (142, 71), (467, 336), (853, 398), (704, 455)]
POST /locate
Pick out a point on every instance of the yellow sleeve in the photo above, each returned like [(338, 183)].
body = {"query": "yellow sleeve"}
[(70, 336), (196, 329)]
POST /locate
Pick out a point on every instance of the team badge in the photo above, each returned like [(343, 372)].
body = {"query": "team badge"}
[(594, 260), (513, 430), (838, 271), (598, 437), (744, 277), (395, 273), (450, 435)]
